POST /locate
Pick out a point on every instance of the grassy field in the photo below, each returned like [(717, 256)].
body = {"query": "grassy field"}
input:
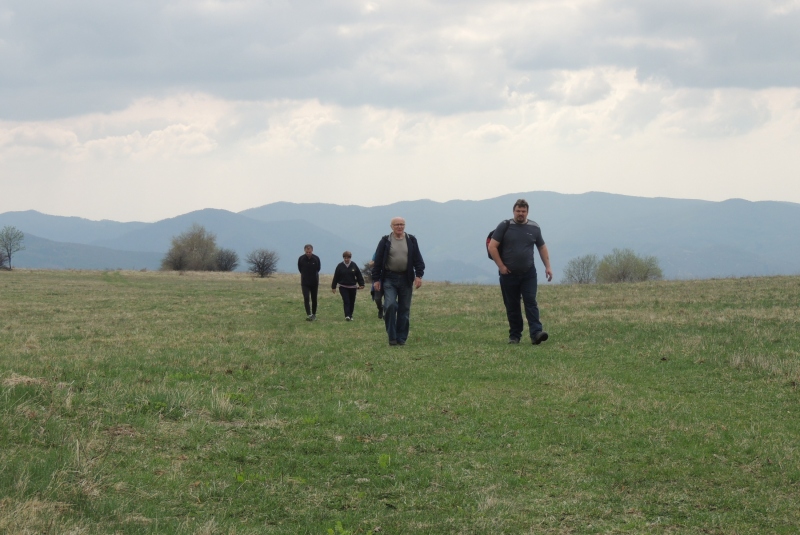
[(204, 403)]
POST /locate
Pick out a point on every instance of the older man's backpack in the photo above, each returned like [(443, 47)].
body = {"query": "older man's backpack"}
[(499, 247)]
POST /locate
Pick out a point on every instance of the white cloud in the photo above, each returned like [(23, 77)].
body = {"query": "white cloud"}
[(263, 101)]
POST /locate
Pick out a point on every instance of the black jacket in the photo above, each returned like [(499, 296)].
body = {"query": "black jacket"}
[(416, 265), (309, 270), (347, 276)]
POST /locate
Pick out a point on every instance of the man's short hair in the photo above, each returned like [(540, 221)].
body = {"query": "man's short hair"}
[(308, 246), (522, 203)]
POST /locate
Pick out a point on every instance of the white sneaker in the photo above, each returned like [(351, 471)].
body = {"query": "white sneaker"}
[(310, 318), (348, 318)]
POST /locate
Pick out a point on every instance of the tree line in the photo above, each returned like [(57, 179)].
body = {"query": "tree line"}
[(196, 250)]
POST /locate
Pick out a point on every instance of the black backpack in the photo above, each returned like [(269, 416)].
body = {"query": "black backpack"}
[(499, 247)]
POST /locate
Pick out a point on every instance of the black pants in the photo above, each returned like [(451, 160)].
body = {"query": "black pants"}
[(310, 291), (348, 300)]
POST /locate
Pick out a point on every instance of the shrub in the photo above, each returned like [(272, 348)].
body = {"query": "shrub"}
[(581, 270), (227, 260), (622, 265), (262, 262), (193, 250)]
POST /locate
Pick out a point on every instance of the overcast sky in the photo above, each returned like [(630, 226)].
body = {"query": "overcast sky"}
[(148, 109)]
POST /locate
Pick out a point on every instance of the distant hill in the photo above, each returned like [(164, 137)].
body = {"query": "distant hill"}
[(47, 254), (691, 238)]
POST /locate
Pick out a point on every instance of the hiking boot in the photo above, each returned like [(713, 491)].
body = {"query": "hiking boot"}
[(310, 318), (512, 340), (380, 313), (538, 338), (392, 342)]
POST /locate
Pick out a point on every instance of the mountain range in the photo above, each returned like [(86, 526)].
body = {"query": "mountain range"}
[(692, 239)]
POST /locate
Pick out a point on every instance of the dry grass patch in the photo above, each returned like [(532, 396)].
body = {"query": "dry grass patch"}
[(15, 379)]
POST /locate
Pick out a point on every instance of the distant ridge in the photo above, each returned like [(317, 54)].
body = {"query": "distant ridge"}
[(691, 238)]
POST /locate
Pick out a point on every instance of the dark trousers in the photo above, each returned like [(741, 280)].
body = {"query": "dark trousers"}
[(310, 291), (348, 300), (521, 286), (397, 293), (377, 297)]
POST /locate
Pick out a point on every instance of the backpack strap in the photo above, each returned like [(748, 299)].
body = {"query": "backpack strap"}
[(508, 224)]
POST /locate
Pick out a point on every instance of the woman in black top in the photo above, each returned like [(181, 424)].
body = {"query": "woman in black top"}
[(349, 279)]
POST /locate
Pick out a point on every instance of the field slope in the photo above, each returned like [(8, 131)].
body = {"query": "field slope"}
[(139, 402)]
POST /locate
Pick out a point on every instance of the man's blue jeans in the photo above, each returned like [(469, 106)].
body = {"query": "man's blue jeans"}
[(516, 286), (397, 293)]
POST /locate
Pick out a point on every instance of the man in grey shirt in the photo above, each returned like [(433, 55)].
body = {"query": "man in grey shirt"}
[(511, 248), (398, 268)]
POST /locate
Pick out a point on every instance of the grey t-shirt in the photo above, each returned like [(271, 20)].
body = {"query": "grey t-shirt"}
[(398, 254), (518, 244)]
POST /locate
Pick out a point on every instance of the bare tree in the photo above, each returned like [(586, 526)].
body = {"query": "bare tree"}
[(11, 240), (3, 260), (623, 265), (366, 270), (193, 250), (263, 262), (581, 270), (227, 260)]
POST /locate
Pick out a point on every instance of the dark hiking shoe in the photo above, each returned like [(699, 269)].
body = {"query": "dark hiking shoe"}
[(401, 342), (538, 338), (513, 340), (310, 318), (380, 313), (392, 342)]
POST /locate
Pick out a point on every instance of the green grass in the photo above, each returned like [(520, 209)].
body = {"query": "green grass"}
[(204, 403)]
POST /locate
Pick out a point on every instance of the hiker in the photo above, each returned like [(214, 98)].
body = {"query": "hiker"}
[(374, 294), (397, 271), (309, 265), (511, 248), (350, 280)]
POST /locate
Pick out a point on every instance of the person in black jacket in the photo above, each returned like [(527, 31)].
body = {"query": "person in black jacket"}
[(398, 269), (309, 265), (350, 280)]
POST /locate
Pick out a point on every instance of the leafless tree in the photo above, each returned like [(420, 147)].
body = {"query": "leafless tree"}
[(227, 260), (262, 262), (581, 270), (11, 240)]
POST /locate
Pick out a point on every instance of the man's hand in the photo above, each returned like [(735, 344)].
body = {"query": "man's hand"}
[(549, 274), (333, 290), (377, 286), (504, 270), (417, 283)]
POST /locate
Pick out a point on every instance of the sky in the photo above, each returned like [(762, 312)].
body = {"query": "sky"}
[(145, 110)]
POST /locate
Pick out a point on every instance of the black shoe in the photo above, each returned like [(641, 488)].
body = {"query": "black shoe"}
[(392, 342), (538, 338), (380, 313), (401, 342), (512, 340)]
